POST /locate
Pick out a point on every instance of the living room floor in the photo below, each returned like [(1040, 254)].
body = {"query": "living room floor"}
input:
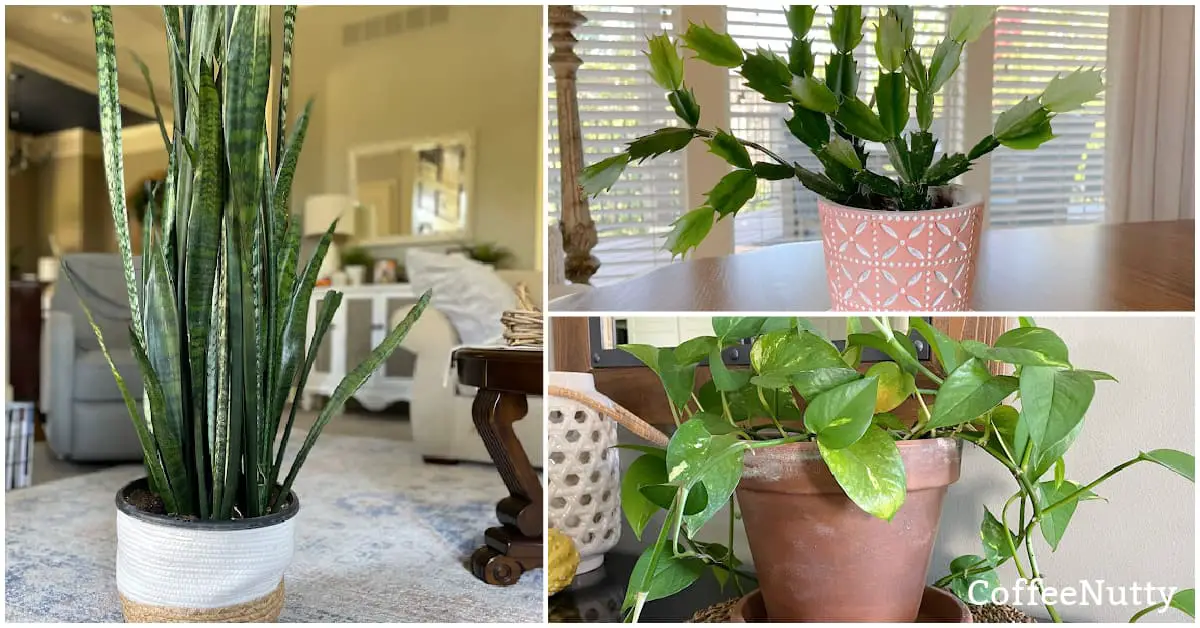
[(387, 425)]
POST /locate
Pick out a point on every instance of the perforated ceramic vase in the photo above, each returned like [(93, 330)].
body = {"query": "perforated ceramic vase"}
[(174, 570), (902, 260), (584, 475)]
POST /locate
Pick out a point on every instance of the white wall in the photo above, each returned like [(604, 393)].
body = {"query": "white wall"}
[(1145, 531), (482, 72)]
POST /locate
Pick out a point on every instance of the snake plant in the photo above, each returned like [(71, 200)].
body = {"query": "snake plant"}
[(221, 302), (830, 118)]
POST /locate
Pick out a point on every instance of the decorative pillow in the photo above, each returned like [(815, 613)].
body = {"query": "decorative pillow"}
[(469, 293)]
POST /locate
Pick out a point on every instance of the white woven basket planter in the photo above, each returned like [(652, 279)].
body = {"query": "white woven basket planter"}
[(584, 475), (172, 570)]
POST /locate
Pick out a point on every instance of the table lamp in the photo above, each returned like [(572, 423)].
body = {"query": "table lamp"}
[(319, 212)]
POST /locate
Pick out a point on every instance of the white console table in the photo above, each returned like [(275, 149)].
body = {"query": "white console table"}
[(360, 325)]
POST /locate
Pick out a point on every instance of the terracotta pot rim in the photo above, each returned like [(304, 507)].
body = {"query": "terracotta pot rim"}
[(968, 200), (291, 509), (902, 444), (798, 468)]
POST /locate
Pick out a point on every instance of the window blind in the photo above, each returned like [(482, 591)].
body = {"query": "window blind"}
[(1063, 180), (785, 211), (617, 103)]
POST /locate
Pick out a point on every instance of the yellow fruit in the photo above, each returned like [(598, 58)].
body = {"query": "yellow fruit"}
[(563, 560), (894, 385)]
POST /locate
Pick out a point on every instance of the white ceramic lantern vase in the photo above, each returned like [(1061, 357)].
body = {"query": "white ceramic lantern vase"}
[(584, 475)]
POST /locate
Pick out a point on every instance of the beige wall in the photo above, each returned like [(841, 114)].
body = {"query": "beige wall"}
[(64, 194), (1144, 533), (481, 72)]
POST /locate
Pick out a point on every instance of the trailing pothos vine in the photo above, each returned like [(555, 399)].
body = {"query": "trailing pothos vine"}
[(801, 387)]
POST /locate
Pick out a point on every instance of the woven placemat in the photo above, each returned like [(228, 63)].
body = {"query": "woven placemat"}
[(986, 614)]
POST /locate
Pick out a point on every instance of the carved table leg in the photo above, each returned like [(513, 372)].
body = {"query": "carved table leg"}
[(516, 545)]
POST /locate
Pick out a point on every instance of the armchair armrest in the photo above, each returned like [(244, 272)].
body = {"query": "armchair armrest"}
[(57, 377)]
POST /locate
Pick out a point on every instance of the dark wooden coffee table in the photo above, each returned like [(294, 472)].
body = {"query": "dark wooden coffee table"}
[(505, 377)]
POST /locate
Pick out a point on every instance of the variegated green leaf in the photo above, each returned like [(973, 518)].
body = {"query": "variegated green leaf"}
[(114, 163), (162, 376), (154, 465), (329, 306), (285, 81)]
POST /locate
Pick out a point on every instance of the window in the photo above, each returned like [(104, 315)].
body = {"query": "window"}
[(617, 103), (784, 211), (1063, 180)]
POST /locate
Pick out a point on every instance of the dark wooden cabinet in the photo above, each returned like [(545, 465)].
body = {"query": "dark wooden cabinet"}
[(24, 341)]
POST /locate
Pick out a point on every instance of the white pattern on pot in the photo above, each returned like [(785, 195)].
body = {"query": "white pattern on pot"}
[(179, 567), (584, 474)]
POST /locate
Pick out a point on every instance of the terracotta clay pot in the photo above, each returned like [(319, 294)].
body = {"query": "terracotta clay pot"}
[(889, 260), (819, 557)]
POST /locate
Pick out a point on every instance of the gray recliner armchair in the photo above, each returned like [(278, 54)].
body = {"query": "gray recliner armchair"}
[(86, 417)]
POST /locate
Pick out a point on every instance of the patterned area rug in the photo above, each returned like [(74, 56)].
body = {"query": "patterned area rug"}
[(381, 537)]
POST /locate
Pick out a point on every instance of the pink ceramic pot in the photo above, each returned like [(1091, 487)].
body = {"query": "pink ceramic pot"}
[(908, 261)]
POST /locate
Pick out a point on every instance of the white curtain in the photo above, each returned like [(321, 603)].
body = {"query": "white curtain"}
[(1150, 113)]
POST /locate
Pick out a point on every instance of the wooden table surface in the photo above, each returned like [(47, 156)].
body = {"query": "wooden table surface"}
[(1084, 268)]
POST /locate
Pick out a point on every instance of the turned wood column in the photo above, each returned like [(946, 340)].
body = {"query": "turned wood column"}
[(575, 221)]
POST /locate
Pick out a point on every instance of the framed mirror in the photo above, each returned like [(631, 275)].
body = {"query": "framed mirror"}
[(413, 190)]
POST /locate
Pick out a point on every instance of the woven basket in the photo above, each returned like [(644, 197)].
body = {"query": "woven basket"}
[(261, 610), (523, 327)]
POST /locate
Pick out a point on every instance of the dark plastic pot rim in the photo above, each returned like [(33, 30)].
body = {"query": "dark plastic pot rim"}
[(273, 519)]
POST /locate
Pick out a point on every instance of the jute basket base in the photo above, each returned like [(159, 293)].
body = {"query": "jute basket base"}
[(265, 609)]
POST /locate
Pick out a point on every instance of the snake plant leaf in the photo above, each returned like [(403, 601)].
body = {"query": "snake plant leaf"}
[(114, 167), (247, 79), (351, 383), (292, 340), (162, 127), (223, 436), (285, 80), (146, 440), (163, 376), (287, 169), (204, 228), (329, 306)]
